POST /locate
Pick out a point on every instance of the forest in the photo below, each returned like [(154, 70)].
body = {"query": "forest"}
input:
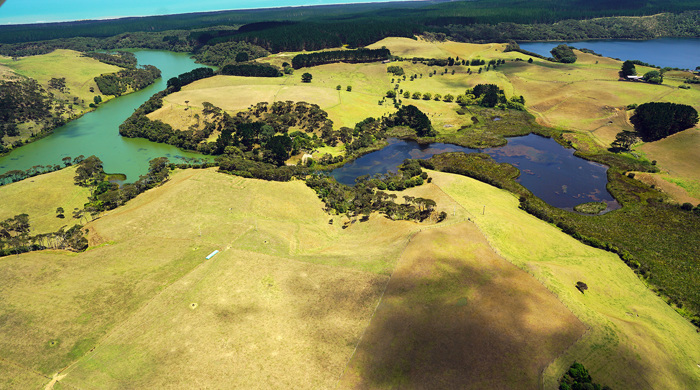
[(357, 25), (349, 56), (121, 82)]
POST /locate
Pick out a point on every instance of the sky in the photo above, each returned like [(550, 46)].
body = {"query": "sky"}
[(34, 11)]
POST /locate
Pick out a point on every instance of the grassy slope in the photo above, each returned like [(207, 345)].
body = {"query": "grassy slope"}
[(57, 305), (429, 331), (39, 197), (79, 71), (283, 305), (635, 340)]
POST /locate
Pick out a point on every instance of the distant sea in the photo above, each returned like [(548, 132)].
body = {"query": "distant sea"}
[(36, 11)]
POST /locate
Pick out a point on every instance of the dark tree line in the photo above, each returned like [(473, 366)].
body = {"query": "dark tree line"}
[(122, 59), (350, 56), (224, 53), (177, 82), (251, 69), (118, 83), (654, 121)]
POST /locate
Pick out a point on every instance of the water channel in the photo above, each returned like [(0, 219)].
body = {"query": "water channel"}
[(98, 132)]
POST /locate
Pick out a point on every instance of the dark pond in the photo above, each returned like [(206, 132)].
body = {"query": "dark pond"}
[(549, 170)]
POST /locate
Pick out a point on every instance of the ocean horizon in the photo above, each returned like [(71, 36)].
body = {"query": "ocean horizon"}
[(52, 11)]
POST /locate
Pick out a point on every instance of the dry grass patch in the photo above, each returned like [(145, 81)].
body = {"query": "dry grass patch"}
[(677, 154), (241, 320), (40, 196), (635, 340), (58, 306), (456, 315)]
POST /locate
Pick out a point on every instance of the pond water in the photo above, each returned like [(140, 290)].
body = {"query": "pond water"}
[(549, 170), (98, 132), (683, 53)]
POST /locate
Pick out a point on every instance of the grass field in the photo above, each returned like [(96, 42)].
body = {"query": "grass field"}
[(79, 71), (40, 196), (277, 248), (634, 339), (430, 330), (283, 304)]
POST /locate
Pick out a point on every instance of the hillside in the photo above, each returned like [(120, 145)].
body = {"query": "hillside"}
[(290, 296)]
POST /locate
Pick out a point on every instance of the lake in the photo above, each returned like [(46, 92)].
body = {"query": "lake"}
[(549, 170), (97, 132), (683, 53)]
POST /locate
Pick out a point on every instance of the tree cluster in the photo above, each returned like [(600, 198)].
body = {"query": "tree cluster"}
[(578, 378), (350, 56), (414, 118), (24, 100), (123, 59), (251, 69), (176, 83), (118, 83), (564, 54), (367, 195), (395, 70), (225, 53), (15, 237), (654, 121), (106, 195)]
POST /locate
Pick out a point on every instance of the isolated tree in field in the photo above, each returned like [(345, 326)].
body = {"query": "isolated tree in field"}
[(406, 95), (306, 77), (581, 286), (529, 61), (59, 213), (653, 77), (448, 98), (624, 140), (390, 94), (628, 69), (349, 88), (338, 87), (654, 121)]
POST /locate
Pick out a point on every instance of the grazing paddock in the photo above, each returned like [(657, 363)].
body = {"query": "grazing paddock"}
[(79, 71), (677, 154), (634, 339), (40, 196), (456, 315)]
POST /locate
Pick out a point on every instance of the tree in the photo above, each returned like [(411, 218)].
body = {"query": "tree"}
[(338, 87), (653, 77), (581, 286), (427, 96), (628, 69), (390, 94), (448, 98), (564, 54), (306, 77), (349, 88), (654, 121), (59, 213), (242, 57), (624, 140), (529, 61)]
